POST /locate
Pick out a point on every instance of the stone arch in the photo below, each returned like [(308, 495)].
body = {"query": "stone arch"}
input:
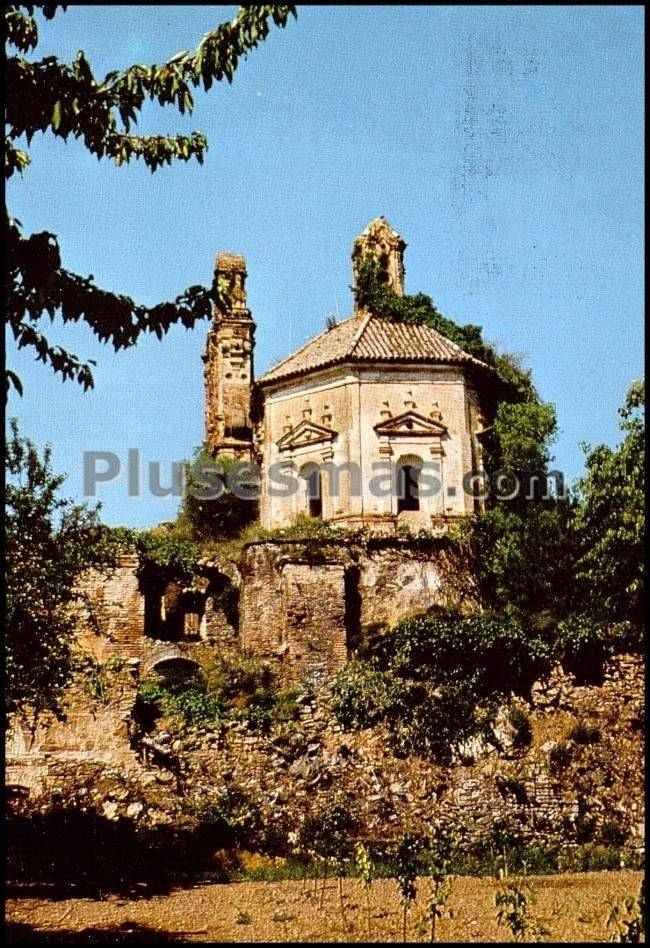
[(177, 669), (407, 478)]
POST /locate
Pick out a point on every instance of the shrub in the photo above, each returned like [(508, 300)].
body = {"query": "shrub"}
[(362, 695), (438, 679), (286, 707), (614, 832), (326, 832), (582, 648), (585, 734), (521, 723), (166, 554), (560, 756), (591, 857), (210, 508), (229, 820), (584, 644), (627, 919), (189, 702), (584, 825), (492, 651)]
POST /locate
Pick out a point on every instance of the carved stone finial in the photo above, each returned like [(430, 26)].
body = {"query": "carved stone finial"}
[(230, 276), (385, 244)]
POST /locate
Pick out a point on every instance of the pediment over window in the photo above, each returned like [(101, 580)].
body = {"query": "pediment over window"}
[(305, 434), (411, 424)]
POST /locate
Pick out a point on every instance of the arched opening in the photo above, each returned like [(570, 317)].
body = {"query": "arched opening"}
[(311, 475), (178, 674), (408, 484), (171, 613)]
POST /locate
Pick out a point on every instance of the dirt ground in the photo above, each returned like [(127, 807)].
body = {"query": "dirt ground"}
[(573, 908)]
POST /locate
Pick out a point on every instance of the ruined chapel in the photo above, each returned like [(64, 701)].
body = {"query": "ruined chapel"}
[(367, 397), (368, 391)]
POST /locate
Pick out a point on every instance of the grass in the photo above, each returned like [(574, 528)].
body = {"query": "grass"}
[(531, 860)]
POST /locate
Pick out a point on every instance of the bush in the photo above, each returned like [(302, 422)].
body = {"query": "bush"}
[(591, 857), (210, 517), (236, 688), (327, 832), (491, 651), (560, 757), (614, 832), (439, 679), (585, 734), (362, 695), (189, 702), (582, 648), (583, 645), (231, 820), (523, 731)]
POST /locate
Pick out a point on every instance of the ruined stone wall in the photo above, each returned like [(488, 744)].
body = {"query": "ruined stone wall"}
[(305, 604), (293, 611), (311, 764), (94, 728), (397, 581), (111, 615)]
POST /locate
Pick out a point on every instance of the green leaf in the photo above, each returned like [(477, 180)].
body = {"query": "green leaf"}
[(56, 115)]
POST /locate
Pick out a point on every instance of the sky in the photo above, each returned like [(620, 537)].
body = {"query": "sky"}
[(505, 144)]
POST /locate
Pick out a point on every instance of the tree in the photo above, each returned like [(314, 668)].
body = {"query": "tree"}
[(518, 450), (610, 519), (67, 100), (210, 508), (525, 558), (50, 541)]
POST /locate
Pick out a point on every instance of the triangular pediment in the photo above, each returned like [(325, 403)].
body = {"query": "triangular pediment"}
[(411, 424), (305, 434)]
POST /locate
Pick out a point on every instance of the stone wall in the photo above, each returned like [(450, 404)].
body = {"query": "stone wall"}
[(302, 605), (95, 727), (306, 604), (311, 765), (112, 615)]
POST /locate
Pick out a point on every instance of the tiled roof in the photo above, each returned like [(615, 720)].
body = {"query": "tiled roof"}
[(368, 338)]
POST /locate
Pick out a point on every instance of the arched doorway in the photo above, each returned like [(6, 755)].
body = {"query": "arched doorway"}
[(178, 673), (311, 475), (408, 483)]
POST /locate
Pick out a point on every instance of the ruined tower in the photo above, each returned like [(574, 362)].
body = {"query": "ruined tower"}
[(379, 240), (228, 358)]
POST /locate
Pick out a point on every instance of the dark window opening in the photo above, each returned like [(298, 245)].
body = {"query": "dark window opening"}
[(239, 432), (171, 615), (408, 494), (352, 609), (313, 490)]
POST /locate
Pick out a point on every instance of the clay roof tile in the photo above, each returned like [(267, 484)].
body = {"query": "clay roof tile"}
[(367, 338)]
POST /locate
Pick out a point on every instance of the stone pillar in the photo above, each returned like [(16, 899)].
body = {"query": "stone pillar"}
[(228, 358)]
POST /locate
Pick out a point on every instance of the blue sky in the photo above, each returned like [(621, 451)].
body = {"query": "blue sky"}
[(504, 143)]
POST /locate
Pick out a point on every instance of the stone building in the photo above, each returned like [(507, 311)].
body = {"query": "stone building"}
[(372, 423)]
